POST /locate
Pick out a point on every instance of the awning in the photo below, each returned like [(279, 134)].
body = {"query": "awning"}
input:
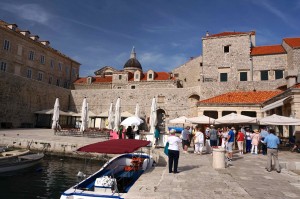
[(50, 112), (274, 105), (118, 146)]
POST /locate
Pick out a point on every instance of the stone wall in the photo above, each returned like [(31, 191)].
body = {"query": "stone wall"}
[(174, 101), (189, 73), (20, 97)]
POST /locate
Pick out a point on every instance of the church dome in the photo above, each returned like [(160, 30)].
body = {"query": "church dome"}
[(133, 63)]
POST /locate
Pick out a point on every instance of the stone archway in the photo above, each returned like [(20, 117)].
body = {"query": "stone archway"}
[(192, 103), (161, 118)]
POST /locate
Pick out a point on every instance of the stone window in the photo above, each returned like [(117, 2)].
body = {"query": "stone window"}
[(150, 76), (74, 72), (278, 74), (223, 77), (57, 82), (264, 75), (50, 80), (20, 50), (52, 64), (3, 66), (243, 76), (133, 87), (6, 45), (29, 73), (60, 66), (42, 59), (40, 76), (226, 49), (119, 87), (176, 75), (31, 55), (201, 64), (120, 77)]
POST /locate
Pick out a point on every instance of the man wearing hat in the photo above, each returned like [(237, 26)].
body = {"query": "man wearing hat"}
[(173, 150)]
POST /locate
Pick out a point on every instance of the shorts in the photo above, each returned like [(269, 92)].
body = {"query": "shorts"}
[(185, 142), (240, 145), (229, 146)]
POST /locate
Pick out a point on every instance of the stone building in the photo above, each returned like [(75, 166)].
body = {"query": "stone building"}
[(33, 74)]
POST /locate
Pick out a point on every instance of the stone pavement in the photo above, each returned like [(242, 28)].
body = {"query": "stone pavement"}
[(246, 177)]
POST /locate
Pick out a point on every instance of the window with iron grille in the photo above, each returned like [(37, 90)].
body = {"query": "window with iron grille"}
[(6, 45), (3, 66)]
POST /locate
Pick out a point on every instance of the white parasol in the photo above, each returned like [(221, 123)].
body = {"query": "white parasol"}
[(203, 119), (55, 118), (110, 117), (153, 116), (179, 120), (117, 114), (131, 121), (278, 120), (84, 115), (234, 118), (137, 114)]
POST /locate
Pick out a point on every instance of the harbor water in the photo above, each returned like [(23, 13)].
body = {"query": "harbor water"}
[(46, 180)]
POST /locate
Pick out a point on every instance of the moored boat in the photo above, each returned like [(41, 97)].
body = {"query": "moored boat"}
[(118, 175), (13, 163)]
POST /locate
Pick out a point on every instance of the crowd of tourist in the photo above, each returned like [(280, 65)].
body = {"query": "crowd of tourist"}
[(246, 140)]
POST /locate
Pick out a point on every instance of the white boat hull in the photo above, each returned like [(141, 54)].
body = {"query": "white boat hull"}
[(116, 169)]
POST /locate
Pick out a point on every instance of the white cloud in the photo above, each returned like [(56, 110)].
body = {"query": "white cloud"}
[(31, 12)]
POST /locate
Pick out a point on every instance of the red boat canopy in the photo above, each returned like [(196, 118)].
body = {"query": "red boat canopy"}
[(117, 146)]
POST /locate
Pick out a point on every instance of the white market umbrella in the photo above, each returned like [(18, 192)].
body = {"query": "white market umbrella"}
[(234, 118), (84, 115), (179, 120), (278, 120), (203, 119), (153, 116), (55, 118), (117, 114), (131, 121), (137, 114), (137, 110), (110, 117)]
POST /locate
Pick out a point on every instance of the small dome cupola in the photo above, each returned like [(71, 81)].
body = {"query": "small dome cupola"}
[(132, 64)]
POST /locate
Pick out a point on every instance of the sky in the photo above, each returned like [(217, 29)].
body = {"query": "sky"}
[(165, 33)]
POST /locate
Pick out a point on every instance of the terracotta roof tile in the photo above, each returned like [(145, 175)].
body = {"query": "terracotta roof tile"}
[(105, 79), (267, 50), (222, 34), (241, 97), (293, 42), (296, 86)]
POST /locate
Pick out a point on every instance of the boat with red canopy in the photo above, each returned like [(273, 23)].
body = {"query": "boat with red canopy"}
[(118, 175)]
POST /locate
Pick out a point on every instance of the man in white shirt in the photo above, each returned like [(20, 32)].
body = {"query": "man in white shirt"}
[(173, 150)]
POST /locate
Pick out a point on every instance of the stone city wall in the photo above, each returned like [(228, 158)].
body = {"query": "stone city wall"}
[(174, 101), (20, 97)]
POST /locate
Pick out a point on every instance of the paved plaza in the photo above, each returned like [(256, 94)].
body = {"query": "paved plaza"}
[(246, 177)]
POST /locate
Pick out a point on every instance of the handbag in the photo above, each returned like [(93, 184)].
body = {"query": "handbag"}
[(166, 150)]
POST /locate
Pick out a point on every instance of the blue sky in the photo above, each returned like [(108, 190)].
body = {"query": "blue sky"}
[(165, 33)]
